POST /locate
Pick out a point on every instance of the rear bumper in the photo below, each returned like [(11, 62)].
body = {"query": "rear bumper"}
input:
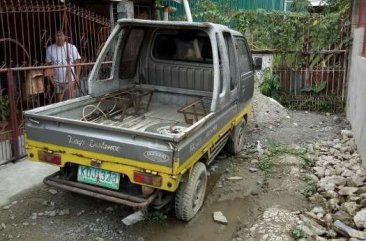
[(54, 180)]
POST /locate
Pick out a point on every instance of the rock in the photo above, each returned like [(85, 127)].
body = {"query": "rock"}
[(7, 207), (64, 212), (347, 133), (333, 204), (234, 178), (317, 210), (25, 224), (330, 194), (347, 191), (343, 216), (52, 191), (253, 169), (80, 213), (328, 219), (350, 207), (14, 202), (318, 238), (360, 219), (52, 213), (219, 217), (133, 218), (317, 198), (254, 161), (3, 225), (313, 225), (109, 209), (326, 186), (319, 171), (336, 180), (254, 193), (347, 173), (348, 231), (99, 239), (357, 180)]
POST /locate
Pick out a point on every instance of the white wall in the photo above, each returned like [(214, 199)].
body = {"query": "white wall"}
[(356, 100)]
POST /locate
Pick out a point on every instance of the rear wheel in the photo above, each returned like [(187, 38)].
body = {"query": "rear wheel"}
[(191, 194), (236, 140)]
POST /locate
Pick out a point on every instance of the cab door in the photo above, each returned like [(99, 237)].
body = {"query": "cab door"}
[(245, 72), (233, 66)]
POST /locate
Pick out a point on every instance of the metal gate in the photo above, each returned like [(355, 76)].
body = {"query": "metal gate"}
[(27, 27)]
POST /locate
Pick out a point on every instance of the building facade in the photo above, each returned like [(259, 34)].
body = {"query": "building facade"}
[(356, 110)]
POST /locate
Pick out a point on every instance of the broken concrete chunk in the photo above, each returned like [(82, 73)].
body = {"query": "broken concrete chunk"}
[(253, 169), (347, 133), (219, 217), (350, 207), (347, 231), (134, 218), (347, 191), (313, 225), (360, 219), (52, 191)]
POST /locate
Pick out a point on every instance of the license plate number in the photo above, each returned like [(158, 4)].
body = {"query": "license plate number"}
[(98, 177)]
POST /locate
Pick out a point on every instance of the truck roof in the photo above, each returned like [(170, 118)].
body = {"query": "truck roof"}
[(177, 24)]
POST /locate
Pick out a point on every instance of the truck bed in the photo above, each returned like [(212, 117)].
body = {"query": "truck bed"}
[(156, 111)]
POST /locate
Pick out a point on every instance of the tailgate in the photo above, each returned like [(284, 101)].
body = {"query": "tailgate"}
[(96, 142)]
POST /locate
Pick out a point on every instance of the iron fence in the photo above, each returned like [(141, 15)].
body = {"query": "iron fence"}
[(27, 28)]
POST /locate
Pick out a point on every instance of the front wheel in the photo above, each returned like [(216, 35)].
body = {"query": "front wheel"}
[(236, 140), (191, 194)]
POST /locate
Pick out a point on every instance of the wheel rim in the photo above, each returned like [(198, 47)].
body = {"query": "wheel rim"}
[(199, 192)]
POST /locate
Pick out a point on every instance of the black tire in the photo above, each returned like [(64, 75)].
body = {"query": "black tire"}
[(191, 193), (235, 142)]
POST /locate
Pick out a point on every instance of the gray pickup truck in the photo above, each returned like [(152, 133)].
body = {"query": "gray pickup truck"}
[(164, 99)]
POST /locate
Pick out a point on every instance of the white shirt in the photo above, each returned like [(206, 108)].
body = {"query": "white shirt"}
[(58, 55)]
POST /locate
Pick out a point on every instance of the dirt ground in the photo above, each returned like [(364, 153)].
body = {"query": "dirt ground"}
[(38, 214)]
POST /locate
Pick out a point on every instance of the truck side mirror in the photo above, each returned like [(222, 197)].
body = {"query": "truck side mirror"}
[(258, 63)]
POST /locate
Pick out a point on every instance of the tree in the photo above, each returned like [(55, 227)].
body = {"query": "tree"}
[(300, 6)]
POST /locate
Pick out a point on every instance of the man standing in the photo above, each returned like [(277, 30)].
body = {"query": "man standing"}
[(64, 79)]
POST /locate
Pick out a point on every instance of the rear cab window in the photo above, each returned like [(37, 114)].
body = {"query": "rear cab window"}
[(188, 46)]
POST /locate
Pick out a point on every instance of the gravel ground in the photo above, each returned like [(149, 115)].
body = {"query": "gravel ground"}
[(248, 203)]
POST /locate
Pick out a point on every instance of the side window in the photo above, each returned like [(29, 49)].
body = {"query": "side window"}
[(131, 52), (243, 57), (232, 62)]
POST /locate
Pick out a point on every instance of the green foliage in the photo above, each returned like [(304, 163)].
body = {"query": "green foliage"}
[(158, 217), (298, 233), (274, 150), (271, 85), (300, 6), (4, 106), (210, 11), (266, 164), (310, 187), (315, 89), (289, 30)]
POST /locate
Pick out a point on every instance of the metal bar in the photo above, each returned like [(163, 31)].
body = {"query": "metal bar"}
[(13, 114), (98, 192), (100, 196)]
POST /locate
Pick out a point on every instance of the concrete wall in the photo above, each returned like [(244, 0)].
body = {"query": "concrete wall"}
[(356, 103)]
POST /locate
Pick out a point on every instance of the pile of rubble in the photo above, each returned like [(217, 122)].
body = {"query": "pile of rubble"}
[(340, 197)]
